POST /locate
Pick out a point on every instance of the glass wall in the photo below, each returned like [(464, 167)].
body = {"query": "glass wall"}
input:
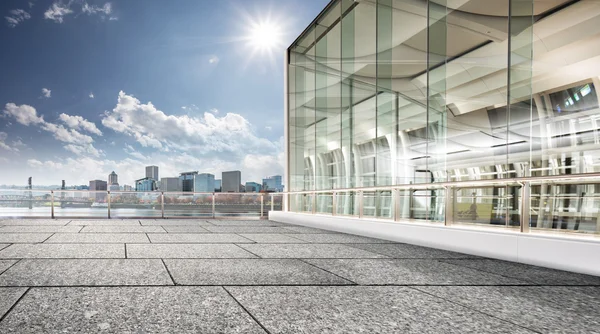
[(401, 92)]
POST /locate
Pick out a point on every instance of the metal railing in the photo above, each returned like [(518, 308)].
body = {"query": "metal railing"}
[(565, 203), (37, 203)]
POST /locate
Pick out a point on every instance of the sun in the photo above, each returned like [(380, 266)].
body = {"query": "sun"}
[(264, 36)]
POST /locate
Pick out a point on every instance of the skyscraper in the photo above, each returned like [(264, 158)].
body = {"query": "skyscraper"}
[(272, 183), (187, 181), (170, 184), (204, 183), (99, 185), (152, 172), (231, 181), (113, 178)]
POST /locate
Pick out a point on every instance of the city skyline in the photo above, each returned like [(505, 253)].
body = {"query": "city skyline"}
[(128, 97)]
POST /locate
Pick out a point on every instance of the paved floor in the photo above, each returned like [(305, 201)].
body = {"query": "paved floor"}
[(218, 276)]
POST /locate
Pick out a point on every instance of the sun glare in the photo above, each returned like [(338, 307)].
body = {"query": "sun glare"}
[(264, 36)]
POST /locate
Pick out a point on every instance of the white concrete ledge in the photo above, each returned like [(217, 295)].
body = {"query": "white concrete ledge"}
[(565, 252)]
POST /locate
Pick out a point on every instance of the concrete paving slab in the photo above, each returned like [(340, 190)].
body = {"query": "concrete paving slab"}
[(123, 229), (190, 238), (524, 306), (73, 251), (537, 275), (409, 272), (304, 229), (223, 222), (186, 251), (105, 222), (175, 222), (2, 246), (246, 229), (98, 238), (13, 238), (286, 251), (36, 222), (361, 309), (185, 229), (129, 310), (579, 299), (40, 229), (406, 251), (249, 272), (273, 238), (76, 272), (338, 239), (8, 297), (5, 264)]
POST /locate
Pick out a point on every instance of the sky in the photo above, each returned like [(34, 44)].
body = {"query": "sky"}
[(92, 86)]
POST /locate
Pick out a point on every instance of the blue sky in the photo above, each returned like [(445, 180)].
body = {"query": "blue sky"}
[(91, 86)]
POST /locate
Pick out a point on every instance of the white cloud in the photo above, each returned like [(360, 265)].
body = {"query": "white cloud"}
[(229, 136), (67, 135), (93, 9), (34, 163), (46, 92), (57, 12), (80, 123), (87, 149), (268, 128), (214, 110), (3, 145), (24, 114), (16, 16), (91, 95), (214, 60), (131, 151)]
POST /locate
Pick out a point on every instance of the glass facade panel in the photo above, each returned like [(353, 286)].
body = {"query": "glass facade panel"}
[(387, 93)]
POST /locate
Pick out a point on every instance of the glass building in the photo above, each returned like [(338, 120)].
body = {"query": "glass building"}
[(404, 109)]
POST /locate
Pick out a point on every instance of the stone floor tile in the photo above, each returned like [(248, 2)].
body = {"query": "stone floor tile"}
[(409, 272), (174, 222), (406, 251), (74, 251), (537, 275), (579, 299), (189, 238), (123, 229), (2, 246), (5, 264), (249, 272), (328, 238), (284, 251), (306, 230), (129, 310), (8, 297), (41, 229), (523, 306), (223, 222), (35, 222), (98, 238), (13, 238), (273, 238), (76, 272), (185, 229), (246, 229), (105, 222), (361, 309), (187, 251)]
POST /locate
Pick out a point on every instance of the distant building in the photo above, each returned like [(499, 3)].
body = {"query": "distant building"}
[(152, 172), (127, 187), (273, 183), (187, 181), (231, 181), (145, 184), (217, 185), (204, 183), (253, 187), (99, 185), (170, 184), (113, 178)]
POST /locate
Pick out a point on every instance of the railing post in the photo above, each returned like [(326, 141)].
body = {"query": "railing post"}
[(52, 204), (361, 204), (525, 210), (449, 206), (272, 202), (213, 205), (314, 203), (334, 203), (108, 200), (396, 204), (162, 204), (262, 206)]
